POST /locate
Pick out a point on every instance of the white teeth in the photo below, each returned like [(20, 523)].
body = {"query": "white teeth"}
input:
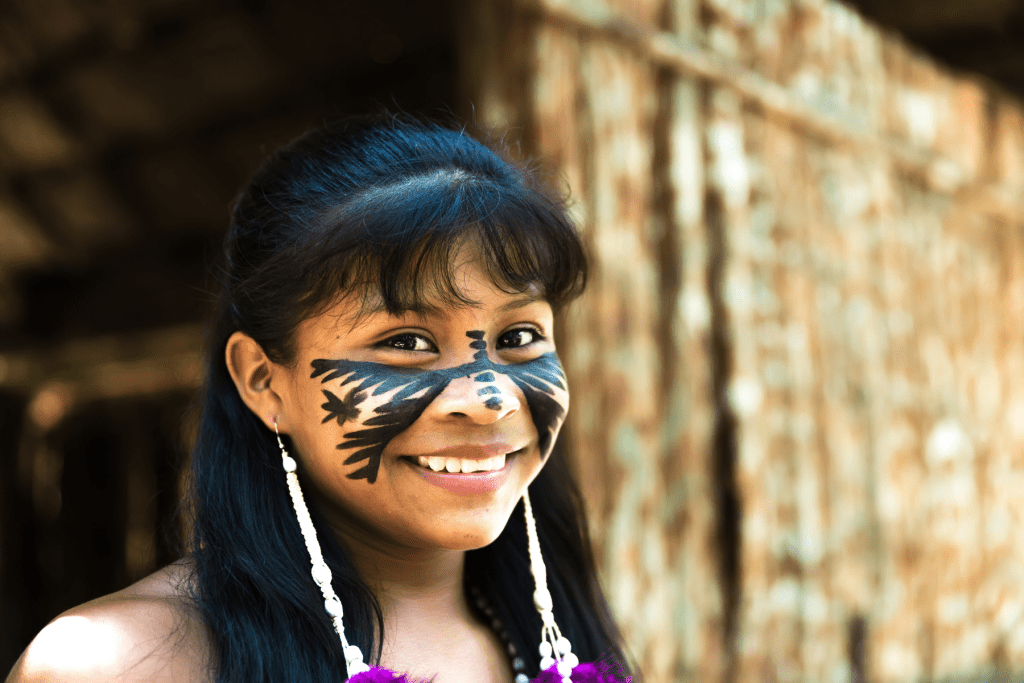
[(457, 465)]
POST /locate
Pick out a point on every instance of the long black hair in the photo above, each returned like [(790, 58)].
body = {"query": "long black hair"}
[(381, 203)]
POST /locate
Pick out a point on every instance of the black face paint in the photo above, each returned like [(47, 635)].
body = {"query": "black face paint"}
[(415, 389), (478, 343), (342, 410)]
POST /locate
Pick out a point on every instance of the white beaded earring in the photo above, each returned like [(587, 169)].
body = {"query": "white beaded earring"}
[(554, 647), (320, 571)]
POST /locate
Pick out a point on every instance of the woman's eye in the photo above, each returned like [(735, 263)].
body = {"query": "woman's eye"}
[(409, 342), (517, 339)]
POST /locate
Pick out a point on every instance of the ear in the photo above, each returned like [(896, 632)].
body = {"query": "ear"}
[(254, 373)]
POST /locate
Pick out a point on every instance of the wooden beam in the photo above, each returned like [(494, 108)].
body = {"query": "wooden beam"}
[(136, 364)]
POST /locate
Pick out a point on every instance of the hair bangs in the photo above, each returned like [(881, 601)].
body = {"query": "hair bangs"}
[(398, 247)]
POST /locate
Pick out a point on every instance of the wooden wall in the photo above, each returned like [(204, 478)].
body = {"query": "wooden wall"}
[(798, 406)]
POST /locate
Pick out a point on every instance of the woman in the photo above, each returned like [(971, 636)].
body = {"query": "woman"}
[(387, 309)]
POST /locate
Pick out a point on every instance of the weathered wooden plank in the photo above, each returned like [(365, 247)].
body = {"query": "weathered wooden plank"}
[(688, 416), (771, 577), (814, 426), (845, 197), (624, 308)]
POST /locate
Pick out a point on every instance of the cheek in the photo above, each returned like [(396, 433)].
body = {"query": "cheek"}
[(369, 422)]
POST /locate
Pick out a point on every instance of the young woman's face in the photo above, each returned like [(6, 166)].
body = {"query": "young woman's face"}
[(423, 430)]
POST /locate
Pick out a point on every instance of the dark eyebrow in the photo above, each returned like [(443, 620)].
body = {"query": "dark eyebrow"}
[(520, 302)]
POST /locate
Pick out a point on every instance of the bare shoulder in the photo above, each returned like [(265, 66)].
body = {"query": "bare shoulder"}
[(146, 632)]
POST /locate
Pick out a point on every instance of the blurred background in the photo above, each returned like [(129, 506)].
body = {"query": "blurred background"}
[(798, 409)]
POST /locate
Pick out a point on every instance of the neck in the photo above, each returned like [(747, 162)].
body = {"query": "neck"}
[(400, 576), (420, 590)]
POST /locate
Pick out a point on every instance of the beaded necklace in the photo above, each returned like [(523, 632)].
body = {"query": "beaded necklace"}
[(487, 611)]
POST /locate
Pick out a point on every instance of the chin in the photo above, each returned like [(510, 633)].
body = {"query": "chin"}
[(473, 534)]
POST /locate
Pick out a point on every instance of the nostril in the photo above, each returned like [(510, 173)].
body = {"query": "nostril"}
[(479, 397)]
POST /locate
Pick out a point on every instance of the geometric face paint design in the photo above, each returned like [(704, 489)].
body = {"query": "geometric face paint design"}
[(416, 388)]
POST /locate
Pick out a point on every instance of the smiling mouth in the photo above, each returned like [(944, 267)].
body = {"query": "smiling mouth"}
[(443, 465)]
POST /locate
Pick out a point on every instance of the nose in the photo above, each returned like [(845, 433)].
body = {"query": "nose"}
[(484, 398)]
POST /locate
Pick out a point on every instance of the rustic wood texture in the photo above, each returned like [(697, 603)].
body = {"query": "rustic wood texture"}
[(795, 410)]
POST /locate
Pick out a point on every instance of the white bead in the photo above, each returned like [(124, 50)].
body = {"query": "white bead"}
[(353, 654), (522, 678), (545, 649), (289, 463), (572, 659), (542, 601), (321, 574), (563, 668), (563, 646), (546, 663), (566, 680), (333, 607)]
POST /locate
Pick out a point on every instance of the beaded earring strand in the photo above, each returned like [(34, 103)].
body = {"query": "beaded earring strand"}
[(558, 664), (321, 572), (555, 649)]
